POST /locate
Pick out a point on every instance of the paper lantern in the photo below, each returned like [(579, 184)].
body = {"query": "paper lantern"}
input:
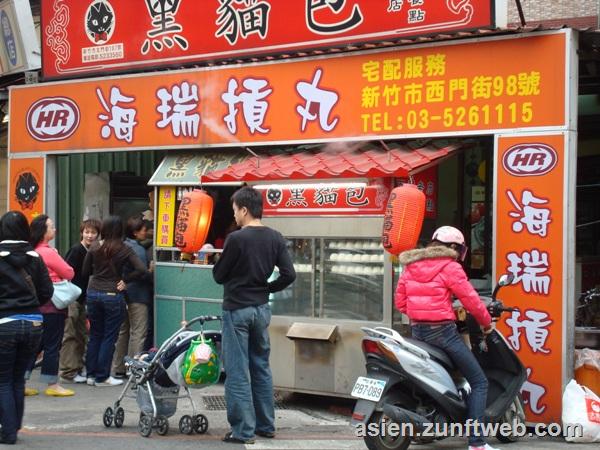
[(193, 221), (403, 219)]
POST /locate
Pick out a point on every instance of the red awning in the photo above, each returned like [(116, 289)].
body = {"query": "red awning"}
[(367, 161)]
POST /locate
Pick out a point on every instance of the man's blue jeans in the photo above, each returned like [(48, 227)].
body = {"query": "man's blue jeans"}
[(248, 382), (447, 338), (105, 312), (19, 341)]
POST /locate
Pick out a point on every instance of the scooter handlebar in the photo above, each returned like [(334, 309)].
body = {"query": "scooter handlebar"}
[(496, 308)]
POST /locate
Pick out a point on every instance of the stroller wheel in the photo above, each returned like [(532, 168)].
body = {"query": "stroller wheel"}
[(200, 424), (161, 425), (119, 417), (108, 417), (145, 425), (186, 424)]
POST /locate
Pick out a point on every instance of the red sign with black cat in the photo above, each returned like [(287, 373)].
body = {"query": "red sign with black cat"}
[(94, 36)]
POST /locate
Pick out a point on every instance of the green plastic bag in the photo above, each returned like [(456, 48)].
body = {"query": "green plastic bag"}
[(197, 373)]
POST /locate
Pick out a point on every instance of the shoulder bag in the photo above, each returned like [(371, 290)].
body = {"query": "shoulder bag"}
[(65, 293)]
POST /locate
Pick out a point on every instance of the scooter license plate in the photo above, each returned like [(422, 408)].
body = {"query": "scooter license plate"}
[(368, 389)]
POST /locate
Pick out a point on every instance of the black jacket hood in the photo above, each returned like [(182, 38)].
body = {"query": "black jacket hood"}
[(16, 253)]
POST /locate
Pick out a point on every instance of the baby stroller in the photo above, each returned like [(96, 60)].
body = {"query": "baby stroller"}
[(155, 382)]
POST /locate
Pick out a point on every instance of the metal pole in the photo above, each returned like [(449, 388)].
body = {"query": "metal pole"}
[(521, 15)]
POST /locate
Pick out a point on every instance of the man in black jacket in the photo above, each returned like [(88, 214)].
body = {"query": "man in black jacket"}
[(248, 260), (24, 286)]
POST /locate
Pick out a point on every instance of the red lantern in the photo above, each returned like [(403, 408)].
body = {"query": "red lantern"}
[(403, 219), (193, 221)]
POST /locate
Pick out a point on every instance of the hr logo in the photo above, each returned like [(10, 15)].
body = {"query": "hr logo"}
[(53, 119), (529, 159)]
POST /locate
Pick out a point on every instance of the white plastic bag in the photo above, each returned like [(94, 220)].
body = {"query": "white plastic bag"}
[(581, 414)]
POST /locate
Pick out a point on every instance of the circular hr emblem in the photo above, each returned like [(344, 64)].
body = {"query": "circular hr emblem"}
[(53, 118), (99, 22), (525, 160)]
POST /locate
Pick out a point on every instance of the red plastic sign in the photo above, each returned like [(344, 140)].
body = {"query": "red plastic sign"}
[(324, 199), (94, 36)]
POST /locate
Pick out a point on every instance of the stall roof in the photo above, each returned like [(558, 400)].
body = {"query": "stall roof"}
[(185, 169), (342, 160)]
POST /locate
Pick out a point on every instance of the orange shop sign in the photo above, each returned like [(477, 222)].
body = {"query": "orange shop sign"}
[(530, 230), (454, 87)]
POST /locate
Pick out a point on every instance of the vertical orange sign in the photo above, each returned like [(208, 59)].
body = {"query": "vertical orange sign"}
[(166, 216), (26, 182), (530, 226)]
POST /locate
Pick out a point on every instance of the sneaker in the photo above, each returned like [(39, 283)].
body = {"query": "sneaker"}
[(482, 447), (31, 391), (79, 379), (59, 392), (119, 375), (90, 381), (110, 381)]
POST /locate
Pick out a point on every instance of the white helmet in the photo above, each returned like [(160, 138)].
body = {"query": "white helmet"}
[(450, 235)]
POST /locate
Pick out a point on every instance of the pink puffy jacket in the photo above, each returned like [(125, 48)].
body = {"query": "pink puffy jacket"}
[(424, 289)]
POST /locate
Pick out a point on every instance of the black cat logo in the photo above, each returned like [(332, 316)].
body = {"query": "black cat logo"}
[(99, 21), (26, 190), (274, 196)]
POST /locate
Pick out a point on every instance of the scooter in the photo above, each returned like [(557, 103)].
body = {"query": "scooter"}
[(414, 386)]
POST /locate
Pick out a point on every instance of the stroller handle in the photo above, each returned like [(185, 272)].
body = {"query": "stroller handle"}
[(200, 319)]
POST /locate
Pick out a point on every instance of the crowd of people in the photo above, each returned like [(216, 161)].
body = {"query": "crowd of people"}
[(114, 274)]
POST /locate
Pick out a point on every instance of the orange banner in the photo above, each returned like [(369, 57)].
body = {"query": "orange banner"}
[(494, 84), (26, 186), (529, 244)]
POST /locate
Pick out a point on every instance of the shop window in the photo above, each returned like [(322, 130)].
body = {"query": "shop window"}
[(336, 278)]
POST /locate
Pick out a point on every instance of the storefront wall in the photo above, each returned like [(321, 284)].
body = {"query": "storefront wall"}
[(454, 89)]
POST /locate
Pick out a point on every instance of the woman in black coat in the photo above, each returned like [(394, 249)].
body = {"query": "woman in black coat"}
[(24, 284)]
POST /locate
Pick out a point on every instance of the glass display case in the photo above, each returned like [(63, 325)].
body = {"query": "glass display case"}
[(336, 278)]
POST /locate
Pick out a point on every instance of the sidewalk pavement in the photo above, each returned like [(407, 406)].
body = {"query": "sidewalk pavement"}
[(303, 422)]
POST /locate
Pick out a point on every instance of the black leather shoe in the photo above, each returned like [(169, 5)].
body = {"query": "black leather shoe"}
[(233, 440), (266, 434)]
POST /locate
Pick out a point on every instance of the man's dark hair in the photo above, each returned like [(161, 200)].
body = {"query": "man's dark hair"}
[(251, 199), (14, 227)]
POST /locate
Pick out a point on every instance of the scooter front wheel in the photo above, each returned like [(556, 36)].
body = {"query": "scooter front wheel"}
[(379, 435)]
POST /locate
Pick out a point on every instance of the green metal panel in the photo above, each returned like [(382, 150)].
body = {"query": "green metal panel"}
[(168, 315), (170, 312), (184, 292), (189, 281), (71, 170)]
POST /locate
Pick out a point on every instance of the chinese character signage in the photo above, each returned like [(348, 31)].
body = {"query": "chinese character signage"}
[(96, 36), (165, 222), (530, 233), (492, 85), (26, 188), (427, 182), (324, 199)]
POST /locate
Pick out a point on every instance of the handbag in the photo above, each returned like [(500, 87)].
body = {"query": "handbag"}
[(65, 293), (201, 365)]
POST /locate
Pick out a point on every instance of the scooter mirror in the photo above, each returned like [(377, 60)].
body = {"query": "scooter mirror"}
[(505, 280)]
